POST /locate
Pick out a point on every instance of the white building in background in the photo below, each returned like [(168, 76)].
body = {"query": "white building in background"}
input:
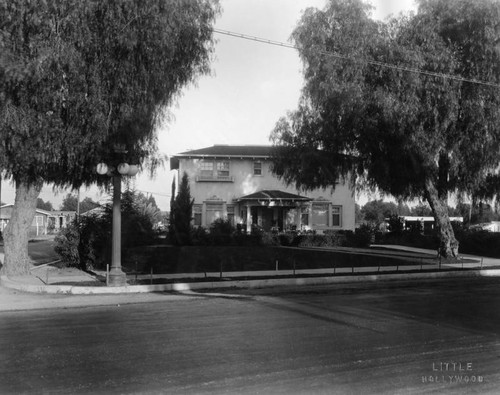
[(235, 182), (44, 222)]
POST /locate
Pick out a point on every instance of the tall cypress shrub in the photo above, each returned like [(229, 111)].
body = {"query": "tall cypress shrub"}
[(181, 214)]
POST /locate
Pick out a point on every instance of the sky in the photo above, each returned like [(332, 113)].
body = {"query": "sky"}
[(251, 86)]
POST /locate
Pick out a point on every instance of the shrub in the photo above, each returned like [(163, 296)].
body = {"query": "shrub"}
[(396, 224), (361, 237), (199, 236), (95, 241), (287, 239), (84, 243), (66, 245), (221, 231), (335, 239), (269, 239), (181, 208), (479, 243)]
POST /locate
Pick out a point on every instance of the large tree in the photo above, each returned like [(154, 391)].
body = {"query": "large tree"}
[(78, 77), (41, 204), (376, 211), (69, 203), (411, 105)]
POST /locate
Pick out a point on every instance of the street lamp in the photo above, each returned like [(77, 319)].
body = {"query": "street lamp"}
[(116, 275)]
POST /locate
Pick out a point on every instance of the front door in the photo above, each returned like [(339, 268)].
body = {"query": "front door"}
[(267, 219)]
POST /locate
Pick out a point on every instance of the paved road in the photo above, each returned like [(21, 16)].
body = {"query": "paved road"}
[(387, 338)]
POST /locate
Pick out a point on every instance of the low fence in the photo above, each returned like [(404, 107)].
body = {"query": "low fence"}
[(260, 261)]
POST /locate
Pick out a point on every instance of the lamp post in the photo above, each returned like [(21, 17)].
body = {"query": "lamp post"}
[(116, 275)]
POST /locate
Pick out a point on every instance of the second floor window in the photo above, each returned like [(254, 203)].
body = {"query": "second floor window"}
[(207, 169), (257, 168), (211, 170), (223, 169)]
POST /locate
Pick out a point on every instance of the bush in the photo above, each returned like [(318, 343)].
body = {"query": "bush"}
[(66, 245), (362, 236), (396, 224), (95, 242), (221, 231), (479, 243), (198, 236), (84, 243)]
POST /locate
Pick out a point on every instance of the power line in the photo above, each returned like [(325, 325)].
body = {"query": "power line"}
[(373, 62), (154, 193)]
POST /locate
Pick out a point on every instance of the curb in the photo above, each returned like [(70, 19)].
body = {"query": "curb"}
[(266, 283)]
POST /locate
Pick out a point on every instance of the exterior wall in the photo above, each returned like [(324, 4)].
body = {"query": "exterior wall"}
[(242, 182)]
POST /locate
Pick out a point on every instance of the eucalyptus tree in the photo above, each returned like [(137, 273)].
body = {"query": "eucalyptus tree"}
[(411, 105), (78, 77)]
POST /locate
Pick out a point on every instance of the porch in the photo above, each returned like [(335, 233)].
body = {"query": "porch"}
[(273, 210)]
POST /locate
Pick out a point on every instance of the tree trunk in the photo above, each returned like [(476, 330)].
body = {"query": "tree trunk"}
[(448, 245), (17, 260)]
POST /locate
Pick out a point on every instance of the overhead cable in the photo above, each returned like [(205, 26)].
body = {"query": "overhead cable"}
[(373, 62)]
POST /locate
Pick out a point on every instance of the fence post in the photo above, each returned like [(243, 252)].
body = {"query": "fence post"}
[(107, 273), (277, 265), (151, 275), (293, 267), (481, 262)]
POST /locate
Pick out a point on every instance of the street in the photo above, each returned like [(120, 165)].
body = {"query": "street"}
[(405, 337)]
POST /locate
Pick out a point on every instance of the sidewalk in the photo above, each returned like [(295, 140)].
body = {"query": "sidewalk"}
[(51, 287)]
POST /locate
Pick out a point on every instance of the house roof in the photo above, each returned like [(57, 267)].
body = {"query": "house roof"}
[(224, 151), (45, 212), (270, 195)]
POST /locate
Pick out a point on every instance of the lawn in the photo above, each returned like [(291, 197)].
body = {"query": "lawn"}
[(41, 251)]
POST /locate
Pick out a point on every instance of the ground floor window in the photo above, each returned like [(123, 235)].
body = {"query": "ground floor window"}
[(320, 214), (197, 208), (337, 216), (304, 216), (214, 211), (291, 219), (230, 214)]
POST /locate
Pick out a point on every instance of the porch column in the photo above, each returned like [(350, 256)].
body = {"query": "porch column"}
[(204, 214), (298, 217), (249, 219), (329, 220)]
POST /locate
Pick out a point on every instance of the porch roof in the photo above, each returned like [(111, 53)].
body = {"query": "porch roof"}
[(273, 195)]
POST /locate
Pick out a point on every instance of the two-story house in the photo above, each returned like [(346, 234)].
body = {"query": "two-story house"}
[(236, 182)]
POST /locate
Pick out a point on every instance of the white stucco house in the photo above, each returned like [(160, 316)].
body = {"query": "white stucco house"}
[(235, 182), (43, 223)]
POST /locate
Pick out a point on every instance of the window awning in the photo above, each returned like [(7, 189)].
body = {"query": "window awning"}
[(276, 196)]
